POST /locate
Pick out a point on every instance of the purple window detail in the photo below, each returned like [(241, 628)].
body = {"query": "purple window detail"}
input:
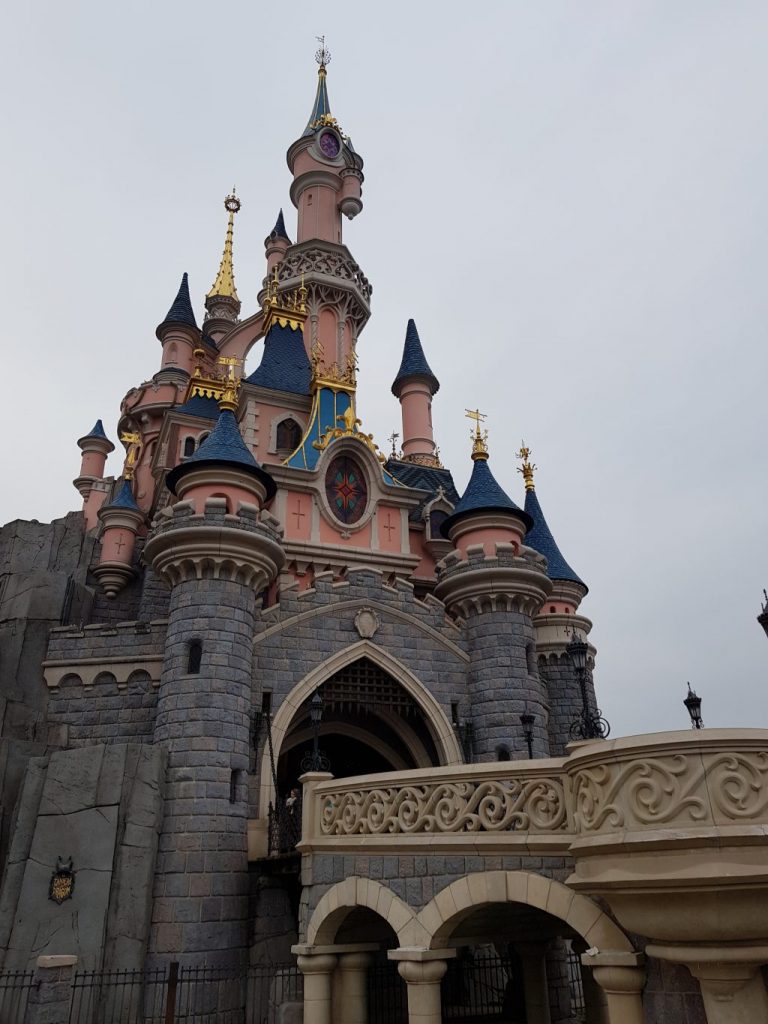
[(329, 144), (346, 489)]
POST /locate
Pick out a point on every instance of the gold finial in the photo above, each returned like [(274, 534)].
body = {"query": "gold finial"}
[(224, 285), (527, 468), (479, 437), (288, 309), (230, 383), (132, 442), (323, 55)]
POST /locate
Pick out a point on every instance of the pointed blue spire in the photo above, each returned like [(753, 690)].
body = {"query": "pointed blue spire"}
[(414, 362), (124, 498), (321, 107), (484, 494), (540, 538), (223, 446), (181, 311), (278, 231), (97, 431)]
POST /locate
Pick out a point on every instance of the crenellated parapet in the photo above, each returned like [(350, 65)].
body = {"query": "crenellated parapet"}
[(243, 547), (476, 582)]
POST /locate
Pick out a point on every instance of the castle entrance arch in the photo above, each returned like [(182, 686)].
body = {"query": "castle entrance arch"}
[(377, 717)]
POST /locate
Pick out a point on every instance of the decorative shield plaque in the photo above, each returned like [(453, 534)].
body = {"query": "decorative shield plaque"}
[(62, 881)]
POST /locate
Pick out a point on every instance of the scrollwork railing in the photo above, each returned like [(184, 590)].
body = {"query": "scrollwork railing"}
[(532, 804)]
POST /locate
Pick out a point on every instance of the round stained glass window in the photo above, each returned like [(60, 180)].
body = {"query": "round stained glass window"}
[(329, 145), (346, 489)]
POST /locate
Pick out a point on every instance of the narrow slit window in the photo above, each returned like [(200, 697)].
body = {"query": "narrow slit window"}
[(194, 657)]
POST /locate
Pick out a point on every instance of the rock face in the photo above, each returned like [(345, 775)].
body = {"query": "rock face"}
[(101, 808)]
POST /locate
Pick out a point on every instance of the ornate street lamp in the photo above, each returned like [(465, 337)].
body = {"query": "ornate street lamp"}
[(315, 760), (527, 723), (589, 724), (693, 703)]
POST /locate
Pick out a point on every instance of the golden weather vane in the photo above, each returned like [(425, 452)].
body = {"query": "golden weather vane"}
[(479, 437), (527, 468)]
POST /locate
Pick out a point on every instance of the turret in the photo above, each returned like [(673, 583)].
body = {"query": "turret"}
[(327, 173), (497, 585), (219, 550), (120, 521), (557, 621), (95, 447), (276, 244), (179, 335), (222, 304), (414, 386)]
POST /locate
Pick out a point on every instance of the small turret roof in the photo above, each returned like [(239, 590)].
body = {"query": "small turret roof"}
[(414, 362), (321, 108), (284, 365), (484, 494), (181, 311), (223, 446), (97, 431), (279, 231), (198, 405), (540, 538), (124, 497)]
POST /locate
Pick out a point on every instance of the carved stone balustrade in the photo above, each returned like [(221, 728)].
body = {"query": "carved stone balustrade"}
[(673, 832), (515, 807)]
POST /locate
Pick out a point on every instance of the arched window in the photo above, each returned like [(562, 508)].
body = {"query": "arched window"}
[(194, 657), (189, 447), (288, 436), (502, 753), (436, 519), (202, 438)]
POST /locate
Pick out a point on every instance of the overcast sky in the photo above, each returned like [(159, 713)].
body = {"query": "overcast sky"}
[(568, 197)]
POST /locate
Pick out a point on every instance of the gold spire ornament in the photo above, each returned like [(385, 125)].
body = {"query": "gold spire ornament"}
[(133, 446), (224, 285), (230, 383), (288, 309), (479, 437), (527, 468)]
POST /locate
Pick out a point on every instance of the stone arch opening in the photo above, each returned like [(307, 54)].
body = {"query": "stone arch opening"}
[(370, 724), (427, 736)]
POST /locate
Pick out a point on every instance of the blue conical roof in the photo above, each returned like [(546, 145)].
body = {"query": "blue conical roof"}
[(97, 431), (181, 311), (484, 494), (278, 231), (321, 107), (223, 446), (124, 498), (284, 365), (540, 538), (414, 362)]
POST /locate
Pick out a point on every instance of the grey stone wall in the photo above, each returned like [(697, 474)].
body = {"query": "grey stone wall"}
[(503, 685), (564, 693), (201, 884), (306, 629), (101, 806), (108, 713)]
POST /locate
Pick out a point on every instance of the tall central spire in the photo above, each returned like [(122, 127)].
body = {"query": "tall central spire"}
[(222, 300), (321, 109)]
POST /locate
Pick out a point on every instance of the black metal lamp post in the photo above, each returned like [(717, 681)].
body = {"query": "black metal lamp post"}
[(693, 703), (527, 723), (589, 724), (315, 760)]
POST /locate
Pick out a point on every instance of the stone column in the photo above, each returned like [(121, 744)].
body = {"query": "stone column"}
[(353, 977), (318, 974), (497, 597), (731, 981), (216, 564), (533, 958), (51, 995), (621, 977), (423, 970)]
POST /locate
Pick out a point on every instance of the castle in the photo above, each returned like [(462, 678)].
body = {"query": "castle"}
[(275, 693)]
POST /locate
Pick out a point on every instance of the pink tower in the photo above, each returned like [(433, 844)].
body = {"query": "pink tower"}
[(415, 385)]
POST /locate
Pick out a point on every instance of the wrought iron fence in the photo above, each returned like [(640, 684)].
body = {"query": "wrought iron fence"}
[(478, 988), (578, 1006), (15, 987), (284, 827), (387, 993), (181, 995)]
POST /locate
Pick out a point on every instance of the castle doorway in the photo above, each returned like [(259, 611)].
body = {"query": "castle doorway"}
[(369, 724)]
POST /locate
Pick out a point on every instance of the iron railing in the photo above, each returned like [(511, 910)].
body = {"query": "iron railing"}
[(578, 1006), (284, 827), (15, 987), (182, 995), (478, 988)]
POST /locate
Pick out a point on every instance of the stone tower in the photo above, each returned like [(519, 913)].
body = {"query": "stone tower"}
[(497, 586), (219, 551)]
